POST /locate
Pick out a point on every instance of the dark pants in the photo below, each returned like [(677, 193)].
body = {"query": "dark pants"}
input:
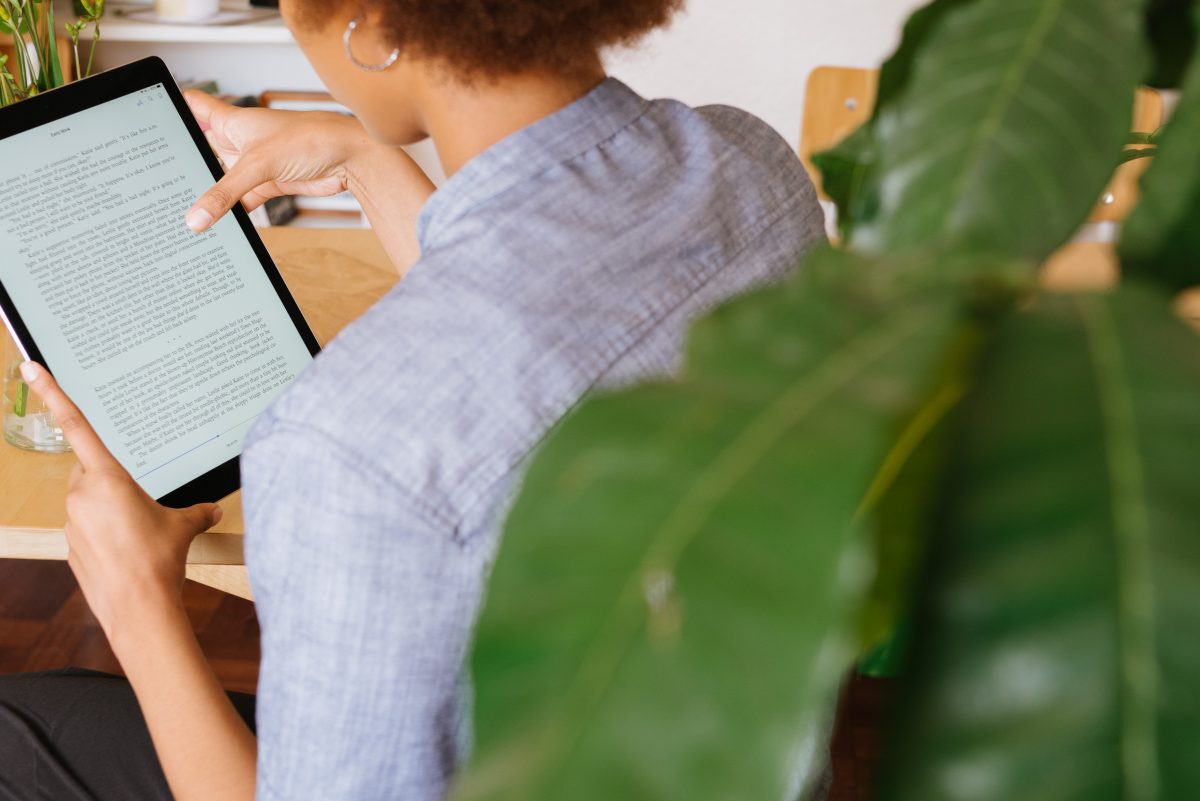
[(78, 735)]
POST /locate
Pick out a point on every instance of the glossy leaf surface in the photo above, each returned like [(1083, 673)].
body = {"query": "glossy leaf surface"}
[(901, 520), (670, 608), (845, 168), (1054, 649), (1008, 127), (1161, 241)]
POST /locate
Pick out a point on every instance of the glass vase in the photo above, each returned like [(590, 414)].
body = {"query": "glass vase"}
[(28, 424)]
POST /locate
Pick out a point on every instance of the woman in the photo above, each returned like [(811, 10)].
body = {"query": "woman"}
[(581, 229)]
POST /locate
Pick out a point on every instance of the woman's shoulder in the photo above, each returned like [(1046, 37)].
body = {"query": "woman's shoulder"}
[(731, 131), (532, 297), (717, 162)]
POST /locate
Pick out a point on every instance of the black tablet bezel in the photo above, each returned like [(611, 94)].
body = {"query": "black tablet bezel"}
[(94, 91)]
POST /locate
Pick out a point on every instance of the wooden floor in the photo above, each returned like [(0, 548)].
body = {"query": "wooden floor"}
[(45, 624)]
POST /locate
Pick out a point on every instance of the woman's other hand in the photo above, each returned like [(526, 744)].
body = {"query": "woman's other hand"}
[(268, 153), (126, 550)]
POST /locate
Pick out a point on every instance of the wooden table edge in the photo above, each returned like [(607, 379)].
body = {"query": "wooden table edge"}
[(211, 548), (215, 559)]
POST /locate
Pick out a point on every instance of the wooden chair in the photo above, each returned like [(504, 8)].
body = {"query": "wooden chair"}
[(839, 99), (836, 102)]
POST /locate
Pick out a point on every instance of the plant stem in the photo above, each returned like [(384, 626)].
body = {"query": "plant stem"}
[(92, 53), (29, 86), (21, 402), (46, 39), (30, 73), (14, 18)]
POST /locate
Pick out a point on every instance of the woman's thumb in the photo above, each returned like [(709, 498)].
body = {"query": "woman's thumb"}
[(204, 515)]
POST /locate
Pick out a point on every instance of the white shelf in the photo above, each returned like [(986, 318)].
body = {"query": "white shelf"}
[(116, 28)]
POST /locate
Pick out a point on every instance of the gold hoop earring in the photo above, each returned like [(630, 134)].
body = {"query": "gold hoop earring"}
[(380, 67)]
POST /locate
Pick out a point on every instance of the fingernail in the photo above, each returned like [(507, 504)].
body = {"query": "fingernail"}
[(30, 372), (198, 220), (217, 514)]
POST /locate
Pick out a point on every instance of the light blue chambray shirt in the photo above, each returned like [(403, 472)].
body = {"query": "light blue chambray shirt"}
[(567, 259)]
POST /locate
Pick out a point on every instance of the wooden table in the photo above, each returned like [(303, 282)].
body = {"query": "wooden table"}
[(335, 275)]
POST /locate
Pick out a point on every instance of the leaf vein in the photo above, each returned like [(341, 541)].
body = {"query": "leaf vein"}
[(1132, 532), (668, 542)]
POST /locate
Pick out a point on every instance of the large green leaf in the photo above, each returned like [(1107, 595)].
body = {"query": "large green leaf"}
[(683, 553), (1161, 240), (903, 498), (1012, 120), (901, 520), (844, 171), (844, 168), (1056, 655)]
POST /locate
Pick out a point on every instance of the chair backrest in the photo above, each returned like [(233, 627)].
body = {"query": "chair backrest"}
[(839, 99), (836, 102)]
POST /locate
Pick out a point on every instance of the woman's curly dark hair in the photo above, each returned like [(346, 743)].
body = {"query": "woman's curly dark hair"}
[(487, 38)]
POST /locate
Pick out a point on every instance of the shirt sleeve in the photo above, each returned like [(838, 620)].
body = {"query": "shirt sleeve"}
[(367, 607)]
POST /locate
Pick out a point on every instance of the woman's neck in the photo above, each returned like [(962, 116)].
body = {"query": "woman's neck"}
[(465, 120)]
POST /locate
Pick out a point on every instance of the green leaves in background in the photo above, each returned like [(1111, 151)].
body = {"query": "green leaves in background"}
[(999, 130), (34, 33), (52, 74), (672, 603), (1172, 35), (90, 12), (1055, 656), (32, 21), (18, 15), (1161, 241)]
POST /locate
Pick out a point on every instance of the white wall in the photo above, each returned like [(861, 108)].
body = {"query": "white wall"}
[(755, 54)]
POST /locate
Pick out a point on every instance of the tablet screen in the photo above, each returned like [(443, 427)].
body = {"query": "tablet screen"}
[(171, 342)]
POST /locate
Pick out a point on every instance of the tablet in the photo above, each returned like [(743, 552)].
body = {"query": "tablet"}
[(170, 342)]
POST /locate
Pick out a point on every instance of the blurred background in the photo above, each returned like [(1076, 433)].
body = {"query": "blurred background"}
[(756, 56)]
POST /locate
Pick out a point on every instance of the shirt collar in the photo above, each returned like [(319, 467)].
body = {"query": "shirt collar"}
[(563, 135)]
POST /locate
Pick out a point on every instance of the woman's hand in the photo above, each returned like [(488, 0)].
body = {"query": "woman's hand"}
[(126, 550), (268, 153), (128, 554)]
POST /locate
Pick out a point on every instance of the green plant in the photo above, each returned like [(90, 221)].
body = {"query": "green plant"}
[(30, 23), (91, 11), (910, 429)]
